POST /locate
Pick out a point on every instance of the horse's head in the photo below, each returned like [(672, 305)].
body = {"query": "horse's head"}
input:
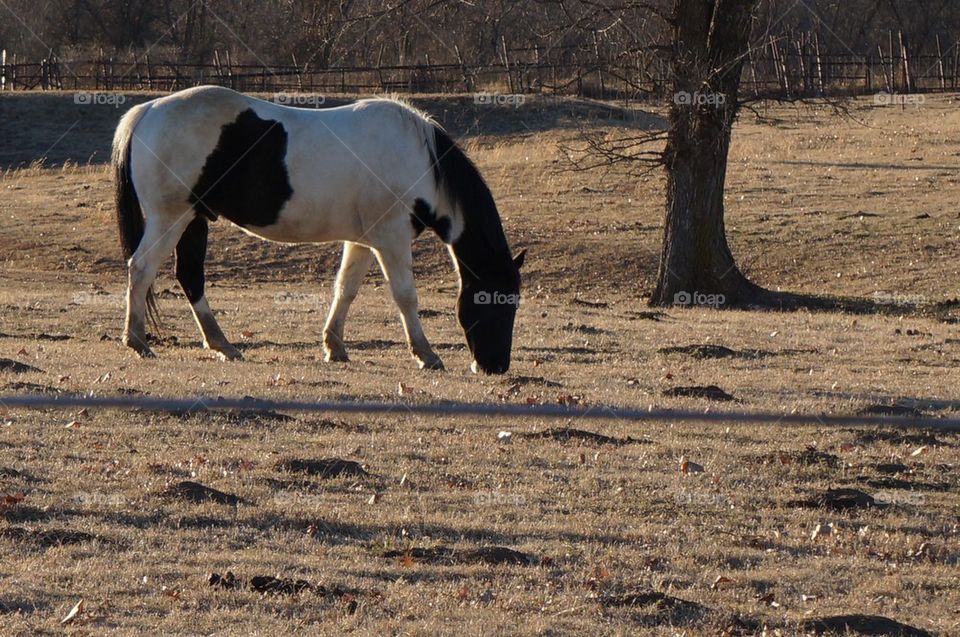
[(486, 310)]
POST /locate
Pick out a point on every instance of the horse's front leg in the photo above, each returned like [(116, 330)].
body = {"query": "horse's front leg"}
[(353, 267), (396, 262)]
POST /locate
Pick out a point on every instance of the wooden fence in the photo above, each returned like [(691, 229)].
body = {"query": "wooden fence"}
[(783, 67)]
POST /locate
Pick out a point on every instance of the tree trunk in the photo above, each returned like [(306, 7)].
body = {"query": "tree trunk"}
[(711, 39)]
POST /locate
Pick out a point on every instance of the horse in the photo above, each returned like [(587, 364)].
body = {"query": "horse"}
[(373, 175)]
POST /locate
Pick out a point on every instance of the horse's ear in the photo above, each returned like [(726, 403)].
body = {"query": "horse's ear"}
[(521, 256)]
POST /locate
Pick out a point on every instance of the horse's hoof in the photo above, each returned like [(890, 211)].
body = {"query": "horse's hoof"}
[(434, 364), (331, 356), (140, 348)]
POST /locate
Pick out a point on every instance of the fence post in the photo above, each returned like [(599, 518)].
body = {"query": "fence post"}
[(892, 58), (506, 63), (907, 75), (940, 69), (816, 47), (956, 63)]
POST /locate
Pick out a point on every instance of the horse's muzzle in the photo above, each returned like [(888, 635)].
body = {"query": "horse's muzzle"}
[(476, 368)]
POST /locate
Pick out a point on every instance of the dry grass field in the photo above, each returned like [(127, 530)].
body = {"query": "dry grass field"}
[(430, 526)]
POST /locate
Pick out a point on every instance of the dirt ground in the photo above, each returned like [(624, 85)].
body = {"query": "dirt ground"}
[(434, 527)]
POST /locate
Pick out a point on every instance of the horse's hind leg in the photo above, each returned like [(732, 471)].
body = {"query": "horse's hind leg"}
[(191, 253), (396, 261), (159, 237), (353, 267)]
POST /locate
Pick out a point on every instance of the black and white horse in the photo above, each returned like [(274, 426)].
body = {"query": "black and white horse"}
[(373, 175)]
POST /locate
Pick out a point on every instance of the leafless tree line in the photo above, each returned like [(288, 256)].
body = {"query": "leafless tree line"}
[(325, 33)]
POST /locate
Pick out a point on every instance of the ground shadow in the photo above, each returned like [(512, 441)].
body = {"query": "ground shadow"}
[(945, 311), (58, 127)]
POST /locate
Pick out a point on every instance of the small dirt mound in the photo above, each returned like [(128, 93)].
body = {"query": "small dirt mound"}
[(199, 493), (894, 437), (267, 584), (656, 609), (531, 380), (46, 538), (16, 367), (31, 387), (889, 482), (710, 392), (233, 416), (706, 352), (324, 468), (566, 434), (891, 468), (491, 555), (808, 457), (647, 316), (863, 625), (892, 410), (840, 500), (282, 586)]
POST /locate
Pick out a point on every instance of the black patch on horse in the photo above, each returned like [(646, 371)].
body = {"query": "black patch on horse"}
[(245, 177), (423, 216), (191, 253)]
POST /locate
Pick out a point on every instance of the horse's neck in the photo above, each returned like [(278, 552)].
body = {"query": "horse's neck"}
[(482, 254)]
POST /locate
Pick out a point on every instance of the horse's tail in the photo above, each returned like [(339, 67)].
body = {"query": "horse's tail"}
[(130, 221)]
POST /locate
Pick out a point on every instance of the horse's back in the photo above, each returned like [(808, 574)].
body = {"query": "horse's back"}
[(283, 173)]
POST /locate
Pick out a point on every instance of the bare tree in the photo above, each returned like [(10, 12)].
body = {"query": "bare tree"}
[(710, 44)]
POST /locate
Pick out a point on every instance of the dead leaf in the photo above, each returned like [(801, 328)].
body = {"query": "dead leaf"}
[(768, 598), (687, 467), (568, 400), (720, 582)]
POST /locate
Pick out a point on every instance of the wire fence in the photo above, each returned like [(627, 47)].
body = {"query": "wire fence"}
[(590, 412), (784, 66)]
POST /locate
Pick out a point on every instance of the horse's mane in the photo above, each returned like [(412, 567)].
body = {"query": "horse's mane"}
[(406, 108)]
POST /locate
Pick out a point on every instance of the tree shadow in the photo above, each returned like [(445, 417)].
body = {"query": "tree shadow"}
[(945, 311)]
